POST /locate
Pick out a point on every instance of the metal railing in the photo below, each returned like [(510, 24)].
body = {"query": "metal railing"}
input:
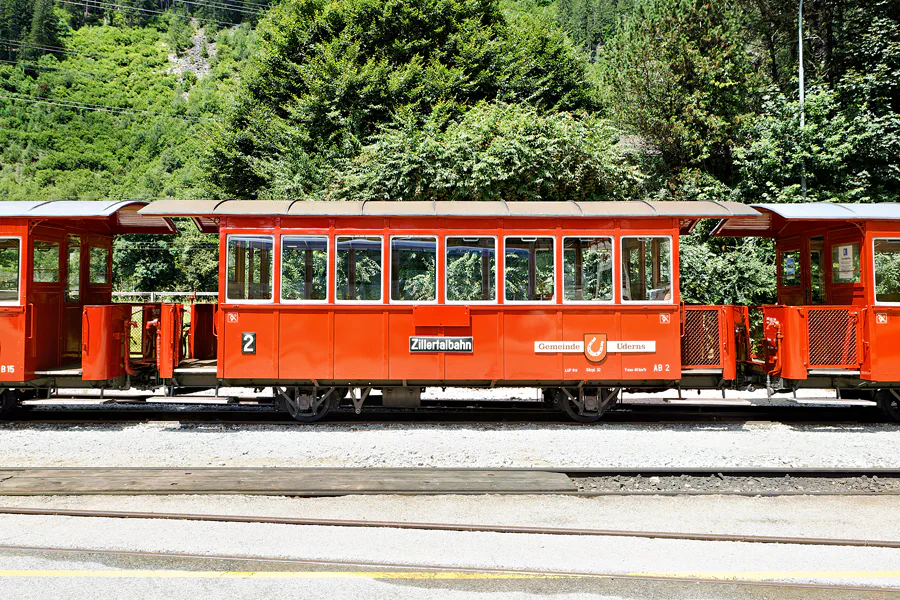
[(701, 343), (833, 337), (154, 296)]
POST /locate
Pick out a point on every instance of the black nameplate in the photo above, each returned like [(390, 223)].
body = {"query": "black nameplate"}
[(419, 344)]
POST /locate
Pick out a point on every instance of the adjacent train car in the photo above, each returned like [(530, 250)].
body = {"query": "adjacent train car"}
[(331, 302)]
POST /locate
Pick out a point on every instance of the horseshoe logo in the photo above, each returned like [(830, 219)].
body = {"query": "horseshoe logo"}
[(595, 347)]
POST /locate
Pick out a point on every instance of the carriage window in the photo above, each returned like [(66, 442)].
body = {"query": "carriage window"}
[(646, 269), (887, 270), (250, 267), (528, 269), (9, 270), (587, 269), (471, 269), (99, 265), (46, 262), (790, 268), (845, 263), (358, 268), (414, 269), (304, 268), (73, 269)]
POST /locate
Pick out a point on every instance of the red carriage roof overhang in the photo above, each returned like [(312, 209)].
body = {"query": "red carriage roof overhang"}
[(771, 219), (121, 216)]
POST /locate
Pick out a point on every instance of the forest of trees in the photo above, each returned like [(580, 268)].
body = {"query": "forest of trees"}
[(453, 99)]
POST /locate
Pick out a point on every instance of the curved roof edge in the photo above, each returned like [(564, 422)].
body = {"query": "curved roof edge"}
[(772, 217), (123, 216)]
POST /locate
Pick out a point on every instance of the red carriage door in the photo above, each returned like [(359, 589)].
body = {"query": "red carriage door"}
[(46, 299), (13, 316), (72, 301)]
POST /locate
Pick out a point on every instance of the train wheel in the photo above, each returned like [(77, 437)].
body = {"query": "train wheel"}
[(889, 401), (309, 406), (584, 408), (9, 403)]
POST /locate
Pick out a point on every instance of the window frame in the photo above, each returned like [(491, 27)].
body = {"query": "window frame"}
[(67, 299), (670, 301), (555, 298), (380, 237), (874, 274), (612, 242), (228, 299), (91, 248), (779, 254), (18, 301), (328, 258), (497, 288), (859, 275), (437, 269), (59, 269)]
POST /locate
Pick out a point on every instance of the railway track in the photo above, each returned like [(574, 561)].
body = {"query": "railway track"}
[(488, 413)]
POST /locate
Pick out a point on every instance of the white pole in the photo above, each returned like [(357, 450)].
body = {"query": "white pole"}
[(802, 96)]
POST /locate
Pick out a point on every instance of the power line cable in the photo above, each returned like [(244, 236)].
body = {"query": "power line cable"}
[(32, 65), (103, 4), (15, 44), (216, 6), (104, 108)]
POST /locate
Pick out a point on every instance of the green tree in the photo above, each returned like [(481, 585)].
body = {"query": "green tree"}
[(45, 32), (15, 20)]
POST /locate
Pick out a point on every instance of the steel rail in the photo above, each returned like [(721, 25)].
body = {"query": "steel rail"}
[(459, 527), (444, 568)]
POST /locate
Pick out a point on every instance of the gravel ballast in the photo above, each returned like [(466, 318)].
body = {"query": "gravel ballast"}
[(175, 444)]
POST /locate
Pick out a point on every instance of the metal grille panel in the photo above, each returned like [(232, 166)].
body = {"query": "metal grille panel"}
[(700, 345), (832, 338)]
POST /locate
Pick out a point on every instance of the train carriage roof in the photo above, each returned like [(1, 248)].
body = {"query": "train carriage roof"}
[(206, 212), (772, 218), (122, 216)]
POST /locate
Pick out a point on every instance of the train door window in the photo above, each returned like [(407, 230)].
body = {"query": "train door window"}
[(99, 267), (250, 265), (414, 269), (790, 268), (887, 270), (471, 269), (358, 268), (304, 268), (73, 269), (816, 293), (587, 269), (647, 269), (845, 263), (46, 262), (529, 269), (9, 270)]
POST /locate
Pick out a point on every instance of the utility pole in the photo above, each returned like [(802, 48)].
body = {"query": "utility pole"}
[(802, 98)]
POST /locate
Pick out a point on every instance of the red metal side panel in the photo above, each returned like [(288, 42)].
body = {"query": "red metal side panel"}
[(403, 363), (202, 331), (522, 328), (169, 346), (662, 325), (360, 344), (13, 324), (305, 344), (486, 361), (262, 363), (102, 341), (577, 324), (882, 344), (785, 341)]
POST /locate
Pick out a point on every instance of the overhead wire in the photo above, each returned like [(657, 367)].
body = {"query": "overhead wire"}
[(216, 6), (105, 4), (103, 108), (15, 44)]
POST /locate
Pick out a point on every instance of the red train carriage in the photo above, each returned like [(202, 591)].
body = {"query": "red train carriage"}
[(837, 321)]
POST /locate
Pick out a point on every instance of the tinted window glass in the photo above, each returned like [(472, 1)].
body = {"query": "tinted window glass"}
[(587, 269), (414, 269), (73, 269), (528, 269), (845, 263), (304, 267), (471, 269), (9, 270), (790, 268), (250, 267), (646, 269), (99, 265), (887, 270), (46, 262), (358, 268)]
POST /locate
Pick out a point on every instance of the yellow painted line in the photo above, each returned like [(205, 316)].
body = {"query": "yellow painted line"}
[(165, 574), (769, 575)]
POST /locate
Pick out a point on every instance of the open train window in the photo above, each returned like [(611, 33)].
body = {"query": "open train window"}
[(529, 269), (587, 269), (790, 268), (73, 269), (358, 268), (413, 269), (250, 267), (9, 270), (471, 269), (845, 263), (887, 270), (46, 262), (304, 268), (647, 269), (99, 267)]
